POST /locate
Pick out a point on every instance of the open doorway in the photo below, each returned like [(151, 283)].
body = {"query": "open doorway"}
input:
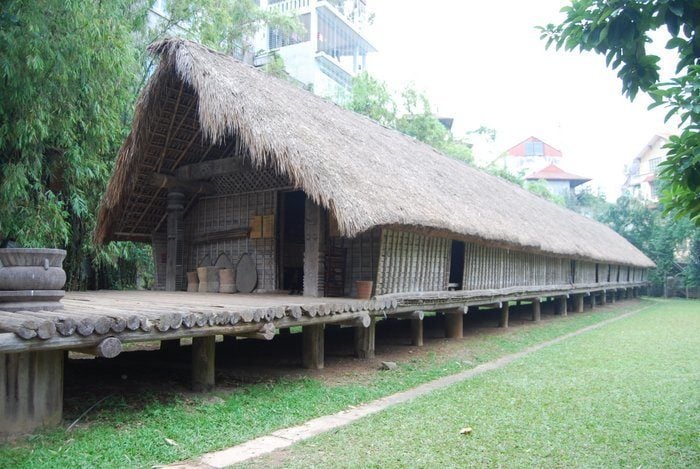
[(291, 249), (457, 265)]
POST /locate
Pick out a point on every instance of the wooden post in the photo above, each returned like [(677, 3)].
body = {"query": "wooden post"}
[(176, 204), (169, 346), (31, 391), (454, 323), (503, 322), (593, 300), (312, 346), (578, 303), (603, 297), (417, 332), (561, 305), (313, 247), (203, 357), (613, 294), (536, 310), (364, 340)]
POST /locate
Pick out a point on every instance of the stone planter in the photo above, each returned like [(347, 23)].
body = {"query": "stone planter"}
[(31, 279)]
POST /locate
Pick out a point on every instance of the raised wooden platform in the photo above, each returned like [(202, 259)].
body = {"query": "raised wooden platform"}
[(88, 317), (133, 316)]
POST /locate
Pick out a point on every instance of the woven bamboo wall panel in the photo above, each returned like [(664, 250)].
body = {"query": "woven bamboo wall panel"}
[(361, 258), (410, 262), (160, 249), (249, 181), (220, 213), (488, 268), (585, 272)]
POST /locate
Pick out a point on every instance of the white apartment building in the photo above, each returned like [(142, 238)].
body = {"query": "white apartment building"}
[(331, 49)]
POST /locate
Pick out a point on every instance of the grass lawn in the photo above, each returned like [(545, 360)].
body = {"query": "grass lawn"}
[(627, 395), (118, 435)]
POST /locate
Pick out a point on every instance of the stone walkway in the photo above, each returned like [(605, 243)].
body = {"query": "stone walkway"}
[(288, 436)]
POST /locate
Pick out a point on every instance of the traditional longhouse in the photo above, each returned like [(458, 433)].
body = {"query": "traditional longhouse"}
[(228, 166), (233, 148)]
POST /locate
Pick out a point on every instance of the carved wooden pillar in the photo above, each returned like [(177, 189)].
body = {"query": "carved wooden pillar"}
[(313, 249), (176, 205)]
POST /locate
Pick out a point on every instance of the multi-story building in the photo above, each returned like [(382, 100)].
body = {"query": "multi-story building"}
[(331, 49), (641, 174), (530, 155), (558, 181), (534, 159)]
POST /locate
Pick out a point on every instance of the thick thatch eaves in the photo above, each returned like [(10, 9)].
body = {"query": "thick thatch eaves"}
[(201, 105)]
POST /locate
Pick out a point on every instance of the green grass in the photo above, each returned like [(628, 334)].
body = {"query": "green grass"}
[(627, 395), (119, 436)]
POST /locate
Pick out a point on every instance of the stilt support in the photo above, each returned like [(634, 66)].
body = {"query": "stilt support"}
[(578, 303), (561, 305), (454, 323), (503, 322), (536, 310), (417, 332), (364, 340), (203, 356), (169, 346), (312, 346), (31, 391)]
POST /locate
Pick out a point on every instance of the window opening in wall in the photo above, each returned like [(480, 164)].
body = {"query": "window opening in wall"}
[(534, 148), (573, 272), (597, 269), (291, 252), (457, 264)]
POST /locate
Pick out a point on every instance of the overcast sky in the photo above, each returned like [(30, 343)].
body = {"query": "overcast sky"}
[(482, 62)]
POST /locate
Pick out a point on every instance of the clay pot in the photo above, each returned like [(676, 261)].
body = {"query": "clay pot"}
[(31, 279), (227, 281), (192, 281), (364, 289)]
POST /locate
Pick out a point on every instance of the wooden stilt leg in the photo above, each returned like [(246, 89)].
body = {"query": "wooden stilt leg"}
[(593, 300), (578, 303), (503, 322), (364, 340), (561, 305), (454, 324), (31, 391), (603, 297), (536, 310), (417, 332), (312, 346), (170, 346), (203, 356)]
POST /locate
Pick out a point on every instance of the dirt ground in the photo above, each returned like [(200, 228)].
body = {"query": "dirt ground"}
[(165, 375)]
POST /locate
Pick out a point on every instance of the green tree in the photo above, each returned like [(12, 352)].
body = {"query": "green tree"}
[(659, 237), (620, 30), (71, 72), (372, 98), (68, 76)]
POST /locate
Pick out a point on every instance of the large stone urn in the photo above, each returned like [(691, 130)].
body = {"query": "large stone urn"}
[(31, 279)]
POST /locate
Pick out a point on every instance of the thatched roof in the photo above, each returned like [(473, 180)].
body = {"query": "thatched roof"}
[(201, 105)]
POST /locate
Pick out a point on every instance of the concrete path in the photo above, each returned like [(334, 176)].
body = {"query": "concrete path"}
[(288, 436)]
